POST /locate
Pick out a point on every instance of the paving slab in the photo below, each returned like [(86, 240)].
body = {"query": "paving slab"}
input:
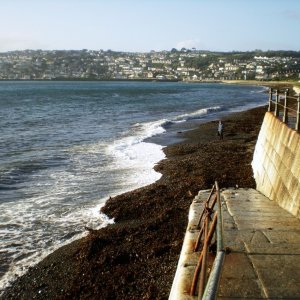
[(271, 249), (261, 217), (254, 212), (286, 236), (271, 225), (279, 274)]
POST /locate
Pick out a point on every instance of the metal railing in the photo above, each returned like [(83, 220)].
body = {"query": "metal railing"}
[(286, 107), (211, 226)]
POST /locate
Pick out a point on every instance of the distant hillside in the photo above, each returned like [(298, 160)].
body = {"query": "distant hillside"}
[(184, 64)]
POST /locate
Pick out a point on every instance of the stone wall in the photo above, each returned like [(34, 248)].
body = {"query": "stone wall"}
[(276, 164)]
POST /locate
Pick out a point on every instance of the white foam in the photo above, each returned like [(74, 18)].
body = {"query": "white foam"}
[(136, 161), (197, 114), (157, 127), (136, 157), (54, 212), (262, 89), (148, 129), (29, 235)]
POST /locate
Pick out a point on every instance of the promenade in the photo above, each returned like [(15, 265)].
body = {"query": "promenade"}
[(263, 249), (264, 243)]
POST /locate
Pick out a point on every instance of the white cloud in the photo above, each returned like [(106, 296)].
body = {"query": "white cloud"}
[(188, 44)]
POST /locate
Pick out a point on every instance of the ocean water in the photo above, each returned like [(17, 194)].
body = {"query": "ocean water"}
[(65, 147)]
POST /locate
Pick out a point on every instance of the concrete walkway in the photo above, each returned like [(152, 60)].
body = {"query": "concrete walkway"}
[(264, 243), (264, 249)]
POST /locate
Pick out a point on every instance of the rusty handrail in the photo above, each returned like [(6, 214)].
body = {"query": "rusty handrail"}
[(287, 108), (212, 285), (210, 226)]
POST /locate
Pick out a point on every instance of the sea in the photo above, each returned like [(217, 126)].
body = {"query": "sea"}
[(67, 146)]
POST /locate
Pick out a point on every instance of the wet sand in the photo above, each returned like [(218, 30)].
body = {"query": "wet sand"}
[(136, 258)]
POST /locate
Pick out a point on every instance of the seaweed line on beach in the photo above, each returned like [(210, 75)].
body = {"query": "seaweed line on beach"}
[(136, 258)]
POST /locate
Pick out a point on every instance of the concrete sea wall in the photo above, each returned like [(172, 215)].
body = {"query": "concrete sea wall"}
[(276, 164)]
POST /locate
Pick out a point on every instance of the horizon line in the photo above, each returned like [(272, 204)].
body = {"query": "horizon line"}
[(149, 51)]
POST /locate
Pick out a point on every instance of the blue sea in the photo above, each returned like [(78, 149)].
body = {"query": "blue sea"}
[(66, 147)]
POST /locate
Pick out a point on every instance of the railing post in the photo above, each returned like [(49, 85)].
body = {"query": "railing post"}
[(276, 112), (202, 281), (297, 127), (270, 99), (220, 233), (285, 110)]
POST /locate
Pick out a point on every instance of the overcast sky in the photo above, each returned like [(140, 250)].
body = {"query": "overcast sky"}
[(144, 25)]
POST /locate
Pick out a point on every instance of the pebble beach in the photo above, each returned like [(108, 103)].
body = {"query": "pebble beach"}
[(136, 257)]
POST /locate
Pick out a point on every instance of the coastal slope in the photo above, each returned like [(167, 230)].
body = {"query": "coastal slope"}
[(136, 257)]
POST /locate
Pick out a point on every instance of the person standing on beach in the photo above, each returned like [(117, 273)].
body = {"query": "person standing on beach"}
[(220, 130)]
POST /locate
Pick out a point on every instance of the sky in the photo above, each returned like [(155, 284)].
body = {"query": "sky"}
[(145, 25)]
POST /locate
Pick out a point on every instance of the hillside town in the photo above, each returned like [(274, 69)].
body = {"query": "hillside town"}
[(174, 65)]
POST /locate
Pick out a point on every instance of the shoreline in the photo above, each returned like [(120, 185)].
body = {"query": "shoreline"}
[(138, 255), (268, 83)]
